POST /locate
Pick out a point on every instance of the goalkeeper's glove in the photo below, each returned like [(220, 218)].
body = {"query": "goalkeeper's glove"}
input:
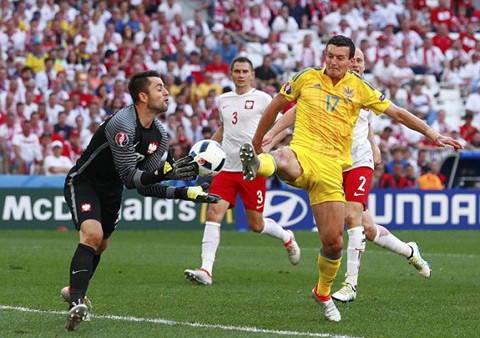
[(199, 194), (185, 168)]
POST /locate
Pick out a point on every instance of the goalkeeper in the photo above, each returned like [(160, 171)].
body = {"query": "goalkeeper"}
[(129, 149)]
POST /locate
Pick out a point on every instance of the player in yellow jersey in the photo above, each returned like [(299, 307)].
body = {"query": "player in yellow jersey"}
[(328, 103)]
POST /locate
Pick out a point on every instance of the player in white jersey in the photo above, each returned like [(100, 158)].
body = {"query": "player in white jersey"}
[(240, 111), (356, 184)]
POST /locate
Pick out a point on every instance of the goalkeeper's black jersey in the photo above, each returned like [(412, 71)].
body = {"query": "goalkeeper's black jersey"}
[(119, 151)]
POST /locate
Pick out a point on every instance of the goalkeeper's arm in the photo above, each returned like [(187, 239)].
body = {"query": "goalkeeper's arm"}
[(195, 193)]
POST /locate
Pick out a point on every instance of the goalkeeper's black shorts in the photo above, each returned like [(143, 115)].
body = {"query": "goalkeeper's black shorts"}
[(86, 203)]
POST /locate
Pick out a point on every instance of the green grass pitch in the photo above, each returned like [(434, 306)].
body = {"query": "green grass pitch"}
[(139, 289)]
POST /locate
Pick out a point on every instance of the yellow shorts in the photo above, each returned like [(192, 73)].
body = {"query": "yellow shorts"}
[(322, 177)]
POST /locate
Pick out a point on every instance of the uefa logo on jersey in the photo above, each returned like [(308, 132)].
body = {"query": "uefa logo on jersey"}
[(152, 147), (249, 104), (121, 139), (288, 88)]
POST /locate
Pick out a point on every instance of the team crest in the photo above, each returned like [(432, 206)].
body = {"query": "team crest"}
[(86, 207), (152, 147), (348, 93), (249, 104), (121, 139), (287, 87)]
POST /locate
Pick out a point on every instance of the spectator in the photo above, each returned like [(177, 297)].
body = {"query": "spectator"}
[(407, 34), (410, 177), (194, 133), (285, 26), (53, 108), (467, 38), (265, 74), (255, 29), (429, 181), (306, 55), (218, 68), (440, 124), (397, 157), (234, 23), (431, 57), (189, 37), (315, 11), (201, 27), (422, 103), (452, 76), (96, 26), (116, 20), (26, 149), (474, 143), (441, 15), (403, 75), (435, 166), (56, 164), (384, 72), (214, 40), (7, 131), (442, 40), (227, 49), (61, 127), (467, 130), (170, 8), (395, 180), (388, 12)]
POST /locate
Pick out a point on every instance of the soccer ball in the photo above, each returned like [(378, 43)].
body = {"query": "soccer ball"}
[(210, 157)]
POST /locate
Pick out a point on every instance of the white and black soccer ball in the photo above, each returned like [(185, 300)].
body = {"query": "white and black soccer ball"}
[(210, 157)]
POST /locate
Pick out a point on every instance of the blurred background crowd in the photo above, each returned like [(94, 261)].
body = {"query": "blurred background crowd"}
[(64, 67)]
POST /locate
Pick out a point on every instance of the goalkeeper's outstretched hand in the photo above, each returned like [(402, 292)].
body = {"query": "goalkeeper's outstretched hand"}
[(184, 168), (199, 194)]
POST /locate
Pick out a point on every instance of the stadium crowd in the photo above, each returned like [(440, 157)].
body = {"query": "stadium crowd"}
[(64, 66)]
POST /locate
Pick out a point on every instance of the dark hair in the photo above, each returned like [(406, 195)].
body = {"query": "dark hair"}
[(342, 41), (139, 83), (241, 59)]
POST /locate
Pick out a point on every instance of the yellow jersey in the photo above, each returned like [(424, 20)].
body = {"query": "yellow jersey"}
[(326, 114)]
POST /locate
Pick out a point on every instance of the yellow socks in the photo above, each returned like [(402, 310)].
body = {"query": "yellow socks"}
[(328, 269), (267, 165)]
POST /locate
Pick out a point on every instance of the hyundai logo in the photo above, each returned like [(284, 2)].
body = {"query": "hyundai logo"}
[(290, 207)]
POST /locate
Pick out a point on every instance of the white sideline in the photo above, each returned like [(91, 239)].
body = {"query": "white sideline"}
[(173, 322)]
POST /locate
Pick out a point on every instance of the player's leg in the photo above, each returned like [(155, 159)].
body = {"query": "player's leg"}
[(210, 243), (384, 238), (356, 183), (268, 226), (253, 197), (85, 207), (283, 161), (329, 217), (223, 185), (355, 249)]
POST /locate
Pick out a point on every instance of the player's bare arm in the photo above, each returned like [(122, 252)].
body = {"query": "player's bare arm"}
[(218, 135), (377, 154), (280, 126), (269, 115), (413, 122)]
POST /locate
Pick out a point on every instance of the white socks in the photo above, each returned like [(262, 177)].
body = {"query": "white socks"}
[(210, 242), (356, 246), (385, 239), (273, 229)]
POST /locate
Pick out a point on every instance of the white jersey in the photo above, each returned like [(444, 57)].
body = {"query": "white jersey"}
[(362, 154), (240, 115)]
